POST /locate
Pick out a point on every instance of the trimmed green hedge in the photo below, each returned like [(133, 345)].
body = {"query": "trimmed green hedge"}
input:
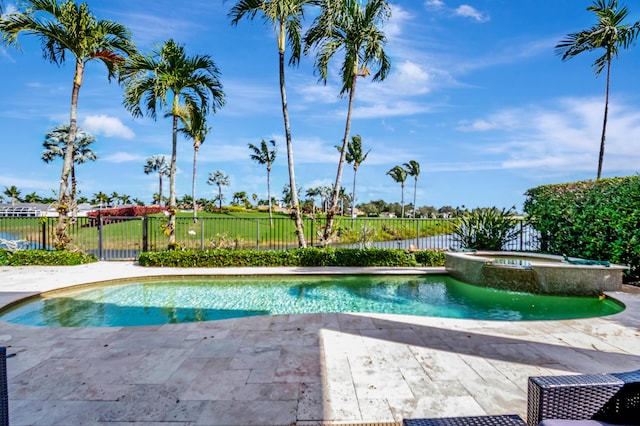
[(296, 257), (590, 219), (44, 257)]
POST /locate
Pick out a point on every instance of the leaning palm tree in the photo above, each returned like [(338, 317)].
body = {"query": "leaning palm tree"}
[(157, 164), (69, 28), (12, 192), (346, 26), (355, 157), (169, 78), (609, 34), (399, 174), (413, 169), (286, 17), (265, 157), (55, 144), (220, 179), (195, 128)]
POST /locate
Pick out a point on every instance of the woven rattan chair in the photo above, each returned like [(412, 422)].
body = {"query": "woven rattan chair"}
[(507, 420), (612, 398), (4, 393)]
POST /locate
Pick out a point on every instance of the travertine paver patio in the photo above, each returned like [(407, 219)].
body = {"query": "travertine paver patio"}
[(290, 369)]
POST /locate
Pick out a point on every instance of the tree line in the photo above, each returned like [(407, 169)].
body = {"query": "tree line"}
[(187, 88)]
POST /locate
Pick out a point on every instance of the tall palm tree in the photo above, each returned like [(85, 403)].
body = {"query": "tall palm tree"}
[(168, 78), (100, 198), (399, 174), (55, 145), (32, 198), (355, 157), (220, 179), (286, 17), (346, 26), (157, 164), (609, 34), (195, 128), (12, 192), (413, 169), (265, 156), (69, 28)]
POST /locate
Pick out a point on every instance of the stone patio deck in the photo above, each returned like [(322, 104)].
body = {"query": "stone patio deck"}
[(302, 370)]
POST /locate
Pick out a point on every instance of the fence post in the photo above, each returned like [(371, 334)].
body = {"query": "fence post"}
[(201, 234), (145, 234), (257, 234), (44, 234), (99, 235)]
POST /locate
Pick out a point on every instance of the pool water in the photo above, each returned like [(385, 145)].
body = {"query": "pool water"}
[(181, 300)]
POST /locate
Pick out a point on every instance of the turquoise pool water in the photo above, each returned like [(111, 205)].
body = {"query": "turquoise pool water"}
[(171, 300)]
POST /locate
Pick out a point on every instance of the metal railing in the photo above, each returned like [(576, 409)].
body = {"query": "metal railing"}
[(113, 238)]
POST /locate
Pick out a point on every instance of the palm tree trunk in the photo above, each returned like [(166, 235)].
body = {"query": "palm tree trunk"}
[(353, 194), (287, 129), (65, 201), (171, 227), (402, 199), (196, 146), (160, 188), (336, 189), (415, 187), (269, 196), (604, 123)]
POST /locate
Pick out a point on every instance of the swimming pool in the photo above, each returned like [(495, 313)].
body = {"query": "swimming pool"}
[(179, 300)]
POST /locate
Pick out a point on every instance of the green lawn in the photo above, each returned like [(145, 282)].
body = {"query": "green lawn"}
[(246, 230)]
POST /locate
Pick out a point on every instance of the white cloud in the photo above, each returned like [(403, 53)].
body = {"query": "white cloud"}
[(107, 126), (562, 136), (123, 157), (399, 17), (467, 11), (437, 4)]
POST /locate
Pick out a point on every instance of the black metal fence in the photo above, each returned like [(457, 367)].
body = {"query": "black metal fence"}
[(114, 238)]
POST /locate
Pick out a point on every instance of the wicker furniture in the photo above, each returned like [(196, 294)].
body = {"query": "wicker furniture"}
[(4, 393), (612, 398), (508, 420)]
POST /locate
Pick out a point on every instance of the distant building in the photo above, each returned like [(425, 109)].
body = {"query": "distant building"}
[(37, 210)]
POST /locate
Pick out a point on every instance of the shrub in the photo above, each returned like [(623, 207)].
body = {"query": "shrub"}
[(486, 229), (45, 257), (590, 219), (296, 257)]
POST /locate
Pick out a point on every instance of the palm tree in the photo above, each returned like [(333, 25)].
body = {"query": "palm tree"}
[(265, 156), (12, 192), (100, 198), (355, 157), (220, 179), (157, 164), (413, 169), (32, 198), (346, 26), (608, 34), (55, 145), (69, 28), (286, 17), (195, 128), (399, 174), (169, 78)]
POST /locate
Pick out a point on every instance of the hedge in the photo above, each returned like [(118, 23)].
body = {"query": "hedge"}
[(44, 257), (296, 257), (590, 219)]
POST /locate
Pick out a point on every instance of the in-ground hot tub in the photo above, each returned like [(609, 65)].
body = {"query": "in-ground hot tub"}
[(534, 273)]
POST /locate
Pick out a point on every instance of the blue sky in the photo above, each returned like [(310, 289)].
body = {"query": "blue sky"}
[(476, 95)]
